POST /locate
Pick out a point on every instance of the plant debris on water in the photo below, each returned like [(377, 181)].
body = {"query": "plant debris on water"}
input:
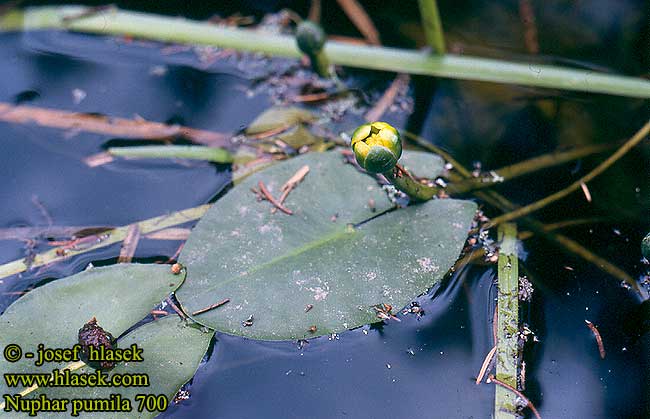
[(514, 213)]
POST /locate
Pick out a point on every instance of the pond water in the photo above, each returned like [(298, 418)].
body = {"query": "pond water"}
[(419, 367)]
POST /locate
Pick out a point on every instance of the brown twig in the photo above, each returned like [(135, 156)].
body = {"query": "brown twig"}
[(117, 127), (312, 97), (159, 312), (44, 212), (175, 308), (527, 15), (268, 133), (293, 182), (267, 195), (172, 233), (129, 244), (387, 99), (486, 364), (585, 190), (361, 20), (599, 339), (176, 254), (314, 11), (529, 404), (212, 307)]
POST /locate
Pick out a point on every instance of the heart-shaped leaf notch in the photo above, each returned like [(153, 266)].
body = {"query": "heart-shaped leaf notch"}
[(326, 267)]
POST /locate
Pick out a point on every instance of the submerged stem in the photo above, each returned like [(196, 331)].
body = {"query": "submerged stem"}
[(519, 212), (499, 201), (104, 239), (526, 167)]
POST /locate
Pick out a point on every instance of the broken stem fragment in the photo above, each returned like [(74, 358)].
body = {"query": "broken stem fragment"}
[(293, 182), (211, 307), (485, 365), (599, 339), (529, 404), (267, 195)]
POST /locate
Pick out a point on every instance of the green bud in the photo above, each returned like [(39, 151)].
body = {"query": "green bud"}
[(645, 246), (310, 37), (377, 146)]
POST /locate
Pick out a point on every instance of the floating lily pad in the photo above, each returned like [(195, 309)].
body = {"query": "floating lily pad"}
[(273, 265), (172, 352), (118, 296)]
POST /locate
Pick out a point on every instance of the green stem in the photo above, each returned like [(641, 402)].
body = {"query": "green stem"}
[(168, 29), (499, 201), (526, 167), (432, 25), (415, 190), (320, 63), (524, 235), (213, 154), (507, 321), (519, 212)]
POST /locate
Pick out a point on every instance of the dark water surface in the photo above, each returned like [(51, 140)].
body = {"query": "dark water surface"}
[(417, 368)]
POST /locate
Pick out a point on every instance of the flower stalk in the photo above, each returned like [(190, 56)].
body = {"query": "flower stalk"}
[(310, 39), (377, 147)]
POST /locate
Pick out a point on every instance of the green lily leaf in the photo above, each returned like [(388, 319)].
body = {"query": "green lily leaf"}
[(118, 296), (326, 256), (171, 351), (279, 117)]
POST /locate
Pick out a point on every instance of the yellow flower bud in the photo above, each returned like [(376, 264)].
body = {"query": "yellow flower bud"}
[(377, 146)]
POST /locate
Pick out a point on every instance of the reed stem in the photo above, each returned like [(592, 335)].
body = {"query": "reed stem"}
[(113, 21), (432, 25)]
